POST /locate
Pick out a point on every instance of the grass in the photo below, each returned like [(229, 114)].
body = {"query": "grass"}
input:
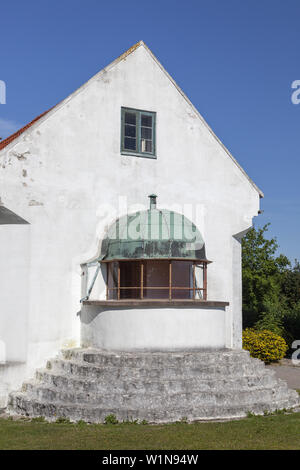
[(279, 431)]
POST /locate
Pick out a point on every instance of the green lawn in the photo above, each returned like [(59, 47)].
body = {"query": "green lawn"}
[(280, 431)]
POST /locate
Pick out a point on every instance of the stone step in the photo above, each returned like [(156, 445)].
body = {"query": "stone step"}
[(158, 387), (107, 373), (170, 398), (156, 359), (20, 403), (142, 385)]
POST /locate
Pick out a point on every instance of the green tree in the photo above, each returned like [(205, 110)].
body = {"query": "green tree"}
[(272, 315), (290, 290), (262, 271), (290, 285), (271, 287)]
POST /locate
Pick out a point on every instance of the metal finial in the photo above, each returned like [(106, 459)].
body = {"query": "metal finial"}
[(152, 201)]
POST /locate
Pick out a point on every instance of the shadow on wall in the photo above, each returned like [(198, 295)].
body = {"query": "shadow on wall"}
[(8, 217), (14, 282)]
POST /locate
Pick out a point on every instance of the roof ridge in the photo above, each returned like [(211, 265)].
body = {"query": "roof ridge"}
[(123, 56)]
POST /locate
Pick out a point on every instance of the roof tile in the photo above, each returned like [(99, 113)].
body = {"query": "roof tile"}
[(12, 137)]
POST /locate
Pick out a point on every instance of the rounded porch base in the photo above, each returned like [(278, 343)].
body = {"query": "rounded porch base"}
[(154, 325)]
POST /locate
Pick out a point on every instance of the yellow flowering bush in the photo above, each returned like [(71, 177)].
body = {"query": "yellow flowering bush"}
[(264, 345)]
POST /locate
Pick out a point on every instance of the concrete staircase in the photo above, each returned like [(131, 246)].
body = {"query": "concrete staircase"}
[(154, 386)]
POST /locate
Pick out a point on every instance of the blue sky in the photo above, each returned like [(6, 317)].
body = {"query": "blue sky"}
[(236, 61)]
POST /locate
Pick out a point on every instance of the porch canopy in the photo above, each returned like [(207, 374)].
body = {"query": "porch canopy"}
[(153, 234), (154, 254)]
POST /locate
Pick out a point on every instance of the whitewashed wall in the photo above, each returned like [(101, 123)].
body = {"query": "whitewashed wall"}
[(158, 329), (60, 173)]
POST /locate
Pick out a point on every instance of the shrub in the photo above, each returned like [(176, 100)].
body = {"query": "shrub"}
[(264, 345)]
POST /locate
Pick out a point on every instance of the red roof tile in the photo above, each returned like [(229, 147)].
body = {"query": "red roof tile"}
[(8, 140)]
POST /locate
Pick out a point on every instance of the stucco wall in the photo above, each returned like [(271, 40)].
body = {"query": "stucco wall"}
[(64, 172), (151, 328)]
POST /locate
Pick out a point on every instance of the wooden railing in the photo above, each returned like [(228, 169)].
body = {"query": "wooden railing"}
[(170, 288)]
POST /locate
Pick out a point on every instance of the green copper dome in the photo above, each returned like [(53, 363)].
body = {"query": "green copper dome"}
[(151, 234)]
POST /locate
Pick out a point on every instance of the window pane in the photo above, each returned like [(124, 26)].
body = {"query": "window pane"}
[(130, 276), (146, 146), (182, 274), (199, 280), (156, 294), (130, 273), (112, 280), (138, 132), (129, 143), (156, 274), (146, 133), (130, 131), (130, 293), (146, 120), (199, 294), (182, 294), (199, 275), (130, 118), (112, 294)]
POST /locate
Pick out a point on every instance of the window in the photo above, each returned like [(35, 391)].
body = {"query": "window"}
[(156, 280), (137, 132)]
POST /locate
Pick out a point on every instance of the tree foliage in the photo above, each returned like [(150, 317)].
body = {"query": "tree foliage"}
[(271, 286)]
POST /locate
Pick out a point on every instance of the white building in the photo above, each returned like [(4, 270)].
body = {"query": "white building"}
[(67, 177)]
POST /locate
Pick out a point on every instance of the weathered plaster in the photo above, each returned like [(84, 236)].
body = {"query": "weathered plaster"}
[(72, 155), (152, 328)]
